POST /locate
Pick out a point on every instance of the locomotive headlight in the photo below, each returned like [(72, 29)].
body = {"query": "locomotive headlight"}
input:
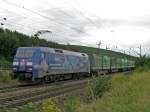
[(30, 69), (14, 69), (29, 63), (15, 63)]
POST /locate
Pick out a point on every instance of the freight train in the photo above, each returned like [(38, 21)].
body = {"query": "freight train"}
[(49, 64)]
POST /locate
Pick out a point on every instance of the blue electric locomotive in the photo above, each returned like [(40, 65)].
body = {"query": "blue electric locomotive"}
[(42, 63)]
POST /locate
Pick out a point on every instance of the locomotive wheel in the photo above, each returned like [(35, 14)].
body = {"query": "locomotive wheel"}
[(47, 78), (57, 78)]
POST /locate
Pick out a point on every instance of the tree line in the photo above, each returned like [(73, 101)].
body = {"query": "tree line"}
[(11, 40)]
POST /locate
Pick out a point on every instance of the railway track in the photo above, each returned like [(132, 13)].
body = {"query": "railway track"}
[(20, 97), (27, 86), (13, 88)]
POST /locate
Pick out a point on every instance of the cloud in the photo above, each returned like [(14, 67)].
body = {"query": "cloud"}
[(70, 19), (65, 24), (145, 22), (70, 24)]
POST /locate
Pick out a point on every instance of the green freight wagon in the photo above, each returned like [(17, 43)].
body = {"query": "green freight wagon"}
[(125, 63), (106, 62), (114, 63), (131, 64), (119, 64), (122, 63), (100, 63), (96, 62)]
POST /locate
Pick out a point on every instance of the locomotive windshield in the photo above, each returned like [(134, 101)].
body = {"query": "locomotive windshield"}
[(25, 53)]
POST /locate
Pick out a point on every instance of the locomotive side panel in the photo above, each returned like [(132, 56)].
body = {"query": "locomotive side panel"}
[(79, 64), (65, 62), (59, 64)]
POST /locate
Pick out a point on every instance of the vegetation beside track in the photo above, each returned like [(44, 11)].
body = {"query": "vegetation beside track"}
[(143, 63), (6, 80), (19, 98), (128, 94), (121, 93)]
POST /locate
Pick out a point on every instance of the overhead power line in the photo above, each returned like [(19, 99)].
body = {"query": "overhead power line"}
[(82, 14), (34, 21), (139, 53), (60, 10), (20, 25), (40, 32), (48, 18), (37, 13)]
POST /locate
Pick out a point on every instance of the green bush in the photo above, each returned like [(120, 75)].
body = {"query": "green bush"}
[(5, 76), (143, 62), (6, 80), (142, 68), (29, 107), (70, 106), (50, 105), (96, 87), (127, 94), (4, 63)]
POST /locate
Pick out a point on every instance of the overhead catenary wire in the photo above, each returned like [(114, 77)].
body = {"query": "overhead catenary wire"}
[(65, 38), (77, 11), (81, 6), (33, 12), (46, 17), (23, 16), (76, 1), (68, 39), (20, 25), (17, 24), (82, 14), (60, 10), (37, 13), (23, 26)]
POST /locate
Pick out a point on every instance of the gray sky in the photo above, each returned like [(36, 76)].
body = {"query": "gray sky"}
[(122, 23)]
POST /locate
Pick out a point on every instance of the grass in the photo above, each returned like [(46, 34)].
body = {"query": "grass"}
[(5, 79), (4, 63), (128, 94), (46, 105), (96, 87)]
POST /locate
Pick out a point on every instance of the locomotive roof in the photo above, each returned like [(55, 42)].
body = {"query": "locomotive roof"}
[(53, 50)]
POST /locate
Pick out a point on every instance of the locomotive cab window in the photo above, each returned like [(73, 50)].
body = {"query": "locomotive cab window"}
[(83, 54), (25, 53)]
